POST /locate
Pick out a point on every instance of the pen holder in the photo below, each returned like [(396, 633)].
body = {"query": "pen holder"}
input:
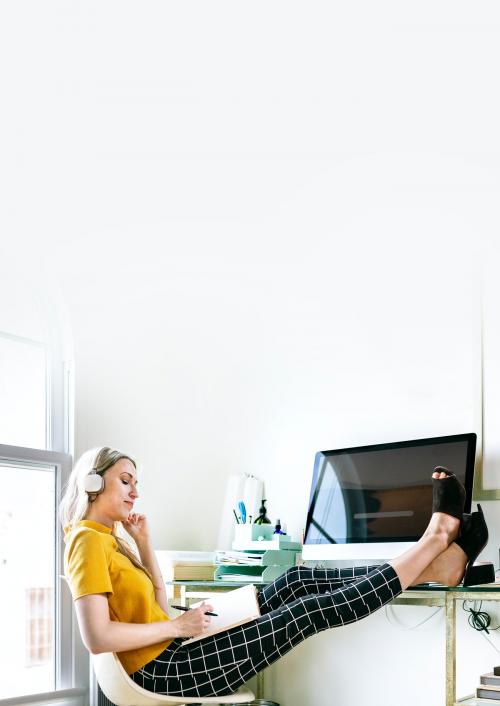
[(252, 533)]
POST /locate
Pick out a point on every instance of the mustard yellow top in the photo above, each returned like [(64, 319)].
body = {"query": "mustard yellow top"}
[(93, 565)]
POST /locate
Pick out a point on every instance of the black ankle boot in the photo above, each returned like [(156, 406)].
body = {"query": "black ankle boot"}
[(473, 539)]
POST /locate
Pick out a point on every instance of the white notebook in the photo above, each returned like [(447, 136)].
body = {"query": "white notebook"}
[(233, 608)]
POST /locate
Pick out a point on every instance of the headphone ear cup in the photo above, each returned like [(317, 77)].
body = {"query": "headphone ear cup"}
[(94, 483)]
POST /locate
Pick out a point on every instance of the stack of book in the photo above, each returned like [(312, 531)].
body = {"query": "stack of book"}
[(490, 685)]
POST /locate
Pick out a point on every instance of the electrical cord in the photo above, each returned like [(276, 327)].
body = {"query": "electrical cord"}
[(393, 621), (490, 642), (478, 619)]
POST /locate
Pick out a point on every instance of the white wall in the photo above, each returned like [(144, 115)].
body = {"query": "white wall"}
[(269, 223), (201, 378)]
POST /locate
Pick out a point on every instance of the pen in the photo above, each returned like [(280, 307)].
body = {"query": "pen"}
[(236, 516), (183, 607), (243, 511)]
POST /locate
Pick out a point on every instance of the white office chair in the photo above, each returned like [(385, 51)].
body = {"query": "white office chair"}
[(121, 690)]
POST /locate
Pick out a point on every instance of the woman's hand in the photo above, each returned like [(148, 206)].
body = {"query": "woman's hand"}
[(138, 528), (193, 622)]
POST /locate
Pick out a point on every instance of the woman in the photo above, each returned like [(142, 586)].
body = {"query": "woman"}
[(121, 604)]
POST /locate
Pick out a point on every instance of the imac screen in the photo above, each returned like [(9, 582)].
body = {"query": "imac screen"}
[(382, 493)]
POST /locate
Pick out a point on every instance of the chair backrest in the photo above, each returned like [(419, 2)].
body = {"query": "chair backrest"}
[(121, 690)]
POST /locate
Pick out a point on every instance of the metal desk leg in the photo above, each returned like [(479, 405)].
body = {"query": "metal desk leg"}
[(451, 653), (260, 685)]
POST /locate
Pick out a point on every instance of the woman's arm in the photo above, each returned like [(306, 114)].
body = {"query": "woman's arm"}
[(148, 558), (138, 528), (100, 634)]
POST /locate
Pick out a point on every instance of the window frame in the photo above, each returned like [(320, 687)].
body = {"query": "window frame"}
[(71, 657)]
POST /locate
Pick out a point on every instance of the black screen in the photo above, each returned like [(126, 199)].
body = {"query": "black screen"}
[(382, 493)]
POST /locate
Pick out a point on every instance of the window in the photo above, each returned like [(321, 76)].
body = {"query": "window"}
[(27, 546), (36, 657)]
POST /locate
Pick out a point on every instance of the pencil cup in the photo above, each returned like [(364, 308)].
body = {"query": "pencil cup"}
[(252, 533)]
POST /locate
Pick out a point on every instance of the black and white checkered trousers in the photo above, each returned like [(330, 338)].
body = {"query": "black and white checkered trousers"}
[(300, 603)]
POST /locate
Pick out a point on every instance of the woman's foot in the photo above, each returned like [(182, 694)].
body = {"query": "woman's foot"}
[(445, 525), (442, 529), (448, 493), (447, 569), (457, 561)]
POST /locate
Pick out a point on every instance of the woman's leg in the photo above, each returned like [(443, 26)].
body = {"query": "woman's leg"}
[(419, 564), (219, 664), (440, 533), (448, 568), (300, 581)]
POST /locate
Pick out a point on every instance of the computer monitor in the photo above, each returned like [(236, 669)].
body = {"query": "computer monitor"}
[(374, 502)]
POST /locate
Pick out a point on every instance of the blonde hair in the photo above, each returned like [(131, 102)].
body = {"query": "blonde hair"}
[(75, 502)]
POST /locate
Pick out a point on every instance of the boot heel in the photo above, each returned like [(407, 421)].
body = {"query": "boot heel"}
[(479, 573)]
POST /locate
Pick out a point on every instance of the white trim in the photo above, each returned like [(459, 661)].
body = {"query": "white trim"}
[(59, 404), (69, 406), (64, 697), (22, 339), (48, 398)]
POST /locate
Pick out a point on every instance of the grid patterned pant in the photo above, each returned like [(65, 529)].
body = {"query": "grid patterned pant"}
[(300, 603)]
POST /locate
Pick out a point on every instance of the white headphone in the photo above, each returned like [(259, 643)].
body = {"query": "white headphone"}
[(93, 483)]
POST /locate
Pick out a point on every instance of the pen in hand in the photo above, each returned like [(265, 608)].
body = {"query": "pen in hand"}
[(183, 607)]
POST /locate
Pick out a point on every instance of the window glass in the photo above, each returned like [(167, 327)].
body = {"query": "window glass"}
[(23, 385), (27, 571)]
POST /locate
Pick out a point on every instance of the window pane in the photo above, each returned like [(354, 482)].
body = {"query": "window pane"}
[(27, 551), (22, 393)]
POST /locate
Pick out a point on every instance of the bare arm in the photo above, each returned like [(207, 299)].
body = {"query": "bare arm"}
[(138, 528), (148, 558), (100, 634)]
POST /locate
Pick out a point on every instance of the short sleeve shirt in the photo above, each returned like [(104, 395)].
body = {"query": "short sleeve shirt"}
[(93, 565)]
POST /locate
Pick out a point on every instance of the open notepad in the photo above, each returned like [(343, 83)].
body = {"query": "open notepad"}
[(233, 608)]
